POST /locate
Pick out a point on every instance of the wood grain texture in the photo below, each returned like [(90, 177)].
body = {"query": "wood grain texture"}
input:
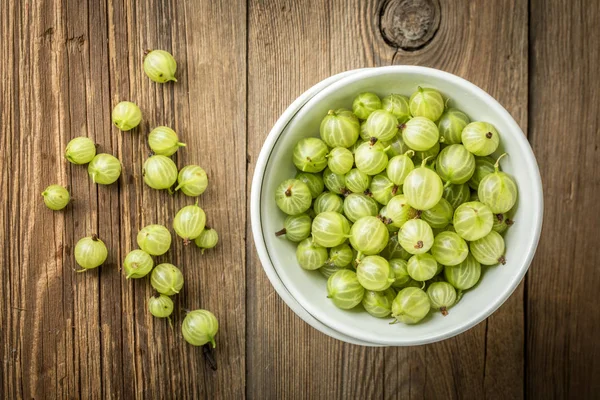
[(563, 322), (90, 335)]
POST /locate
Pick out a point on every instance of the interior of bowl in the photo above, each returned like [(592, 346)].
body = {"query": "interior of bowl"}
[(497, 283)]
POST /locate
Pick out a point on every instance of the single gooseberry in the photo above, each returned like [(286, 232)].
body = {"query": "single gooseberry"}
[(489, 250), (80, 150), (423, 188), (422, 267), (160, 306), (208, 239), (396, 146), (310, 255), (379, 304), (473, 220), (160, 66), (340, 160), (154, 239), (420, 133), (313, 181), (464, 275), (56, 197), (296, 228), (483, 167), (358, 205), (344, 290), (399, 167), (104, 169), (293, 197), (166, 279), (90, 252), (455, 164), (164, 141), (340, 128), (310, 155), (357, 181), (480, 138), (371, 159), (501, 223), (200, 327), (192, 180), (189, 222), (449, 248), (442, 296), (328, 201), (415, 236), (431, 154), (137, 264), (400, 270), (439, 215), (498, 190), (381, 125), (399, 211), (410, 305), (160, 172), (341, 256), (398, 106), (364, 104), (382, 188), (451, 125), (456, 194), (426, 102), (368, 236), (126, 115), (336, 183), (330, 229), (374, 273)]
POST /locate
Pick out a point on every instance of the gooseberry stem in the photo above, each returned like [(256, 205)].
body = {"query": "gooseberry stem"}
[(447, 184), (444, 311), (409, 153), (394, 190), (424, 163), (502, 260), (281, 232), (94, 237), (497, 165), (373, 140), (179, 143)]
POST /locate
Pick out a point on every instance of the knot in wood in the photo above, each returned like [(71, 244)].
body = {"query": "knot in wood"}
[(409, 24)]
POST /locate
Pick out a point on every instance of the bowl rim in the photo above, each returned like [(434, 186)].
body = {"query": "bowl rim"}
[(531, 164)]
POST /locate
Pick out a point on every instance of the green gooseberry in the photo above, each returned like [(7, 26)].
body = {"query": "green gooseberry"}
[(56, 197), (442, 296), (364, 104), (451, 125), (339, 128), (422, 267), (357, 181), (208, 239), (368, 236), (428, 103), (398, 106), (498, 190), (166, 279), (164, 141), (293, 197), (296, 228), (344, 290), (313, 181), (330, 229), (160, 66), (126, 115), (400, 270), (310, 155), (200, 327), (154, 239), (340, 160), (449, 248), (160, 306), (328, 201), (160, 172), (192, 180), (137, 264), (90, 252), (411, 305), (80, 150), (374, 273), (379, 304), (104, 169), (480, 138), (310, 255), (464, 275), (358, 205), (189, 222)]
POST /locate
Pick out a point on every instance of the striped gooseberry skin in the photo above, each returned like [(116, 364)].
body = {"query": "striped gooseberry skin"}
[(451, 125), (192, 180), (344, 290), (90, 252), (440, 215), (328, 201), (410, 305), (427, 103), (431, 154), (166, 279), (310, 155), (483, 167), (364, 133), (374, 273), (480, 138), (399, 167), (369, 236), (382, 189), (329, 269), (160, 66), (105, 169), (313, 181), (399, 211), (371, 158), (423, 188), (420, 133), (126, 115), (416, 236), (137, 264), (358, 205), (379, 304), (498, 191), (489, 250), (293, 197), (200, 327), (189, 222), (330, 229), (464, 275), (208, 239), (296, 228), (164, 141), (311, 255), (456, 194), (340, 160), (393, 249), (356, 145), (382, 125), (422, 267), (398, 106), (449, 248), (335, 183), (56, 197), (501, 223), (364, 104), (154, 239), (160, 306), (80, 150), (357, 181), (385, 218), (341, 256), (473, 220), (160, 172), (400, 270), (455, 164), (340, 128), (442, 296), (396, 146)]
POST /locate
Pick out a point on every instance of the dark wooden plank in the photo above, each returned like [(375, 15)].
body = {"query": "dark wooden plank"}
[(562, 345), (67, 63)]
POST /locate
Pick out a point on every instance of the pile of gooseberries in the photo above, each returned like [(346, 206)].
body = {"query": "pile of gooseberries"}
[(159, 172), (399, 204)]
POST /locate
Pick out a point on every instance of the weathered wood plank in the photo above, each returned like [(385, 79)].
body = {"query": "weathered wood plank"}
[(562, 345)]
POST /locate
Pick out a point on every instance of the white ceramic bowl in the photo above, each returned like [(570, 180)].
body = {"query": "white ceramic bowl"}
[(308, 287)]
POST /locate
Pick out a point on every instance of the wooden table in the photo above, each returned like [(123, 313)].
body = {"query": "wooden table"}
[(65, 64)]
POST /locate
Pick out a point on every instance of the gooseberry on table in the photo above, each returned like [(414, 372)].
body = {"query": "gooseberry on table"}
[(56, 197), (208, 239), (80, 150), (160, 172), (154, 239), (166, 279), (160, 66), (104, 169), (200, 327), (192, 180), (164, 141), (189, 222), (126, 115), (160, 306), (90, 252), (137, 264)]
